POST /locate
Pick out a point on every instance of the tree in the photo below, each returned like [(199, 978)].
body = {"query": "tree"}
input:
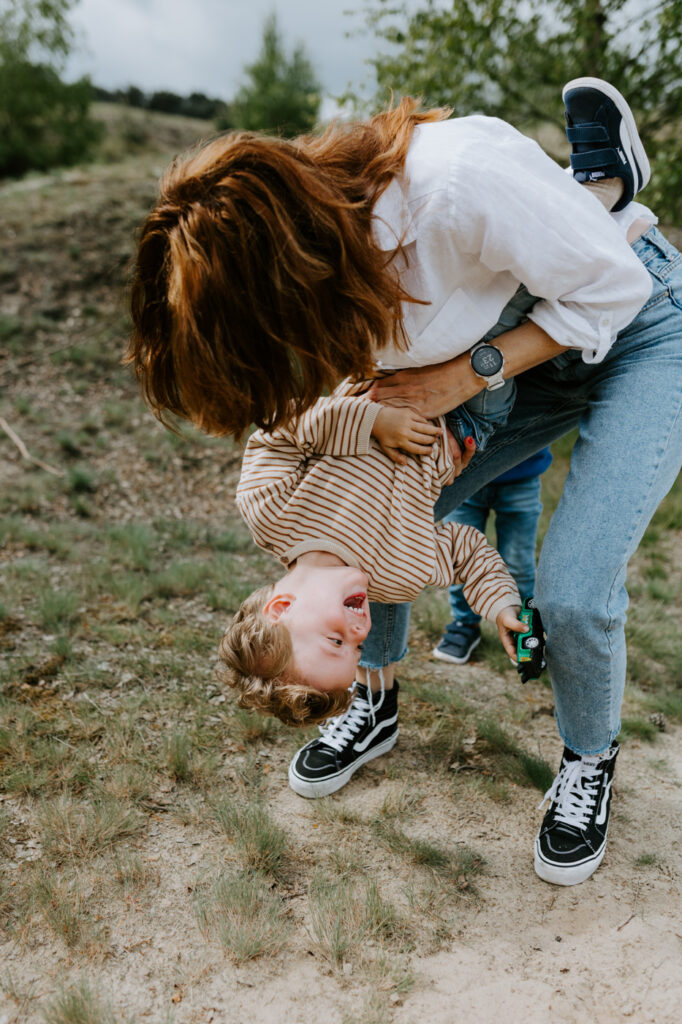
[(43, 120), (165, 101), (198, 104), (510, 60), (283, 93)]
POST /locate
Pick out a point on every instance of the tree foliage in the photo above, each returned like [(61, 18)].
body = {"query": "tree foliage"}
[(43, 121), (510, 60), (197, 104), (282, 93)]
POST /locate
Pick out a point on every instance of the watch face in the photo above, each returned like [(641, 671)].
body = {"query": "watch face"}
[(487, 361)]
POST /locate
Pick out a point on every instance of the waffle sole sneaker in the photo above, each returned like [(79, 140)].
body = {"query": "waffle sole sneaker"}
[(457, 644), (604, 137), (443, 654), (368, 729), (571, 842)]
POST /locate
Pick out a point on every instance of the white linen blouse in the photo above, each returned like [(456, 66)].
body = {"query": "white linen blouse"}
[(481, 208)]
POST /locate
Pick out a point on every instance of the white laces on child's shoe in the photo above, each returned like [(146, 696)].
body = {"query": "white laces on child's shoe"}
[(342, 729), (574, 791)]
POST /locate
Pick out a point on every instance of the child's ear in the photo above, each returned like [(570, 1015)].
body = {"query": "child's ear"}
[(277, 606)]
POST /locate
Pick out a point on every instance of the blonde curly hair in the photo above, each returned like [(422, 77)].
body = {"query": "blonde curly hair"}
[(258, 655)]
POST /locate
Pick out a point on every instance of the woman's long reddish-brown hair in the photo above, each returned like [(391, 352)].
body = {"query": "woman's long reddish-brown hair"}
[(258, 283)]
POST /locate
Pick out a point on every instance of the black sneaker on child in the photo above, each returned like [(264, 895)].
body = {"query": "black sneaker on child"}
[(571, 843), (367, 729), (604, 139)]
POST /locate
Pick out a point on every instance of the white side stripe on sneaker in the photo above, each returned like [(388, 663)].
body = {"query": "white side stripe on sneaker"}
[(377, 729), (625, 143), (603, 807)]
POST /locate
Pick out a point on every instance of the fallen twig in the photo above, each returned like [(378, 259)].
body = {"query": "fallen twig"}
[(14, 437), (620, 926)]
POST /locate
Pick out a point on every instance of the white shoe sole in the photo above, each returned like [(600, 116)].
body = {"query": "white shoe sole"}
[(566, 876), (451, 658), (324, 787), (630, 140)]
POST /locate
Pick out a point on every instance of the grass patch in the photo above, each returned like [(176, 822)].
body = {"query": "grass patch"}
[(65, 909), (58, 609), (241, 911), (250, 727), (186, 763), (511, 760), (79, 1005), (647, 860), (400, 802), (637, 728), (431, 614), (134, 545), (81, 480), (262, 844), (329, 810), (181, 579), (345, 916), (132, 874), (441, 744), (458, 866), (75, 830)]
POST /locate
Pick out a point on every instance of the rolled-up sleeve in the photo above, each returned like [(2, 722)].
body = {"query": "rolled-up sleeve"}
[(515, 210)]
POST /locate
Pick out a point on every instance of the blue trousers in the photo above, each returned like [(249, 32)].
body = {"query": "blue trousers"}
[(628, 411), (517, 508)]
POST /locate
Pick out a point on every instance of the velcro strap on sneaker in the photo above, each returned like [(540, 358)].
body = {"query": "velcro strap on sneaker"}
[(590, 132), (595, 160)]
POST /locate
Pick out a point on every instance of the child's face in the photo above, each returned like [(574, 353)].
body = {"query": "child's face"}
[(326, 612)]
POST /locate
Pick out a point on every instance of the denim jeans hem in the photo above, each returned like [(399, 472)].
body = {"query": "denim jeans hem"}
[(375, 668), (587, 753)]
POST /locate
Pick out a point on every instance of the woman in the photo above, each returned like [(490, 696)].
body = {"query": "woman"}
[(268, 269)]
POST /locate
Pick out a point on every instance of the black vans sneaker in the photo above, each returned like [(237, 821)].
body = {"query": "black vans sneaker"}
[(367, 729), (571, 842), (604, 139)]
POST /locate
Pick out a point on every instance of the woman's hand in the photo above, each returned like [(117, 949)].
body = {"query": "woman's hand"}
[(434, 390), (508, 623), (399, 430), (431, 390)]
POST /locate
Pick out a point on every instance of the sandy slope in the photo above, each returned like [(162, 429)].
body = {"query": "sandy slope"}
[(608, 950)]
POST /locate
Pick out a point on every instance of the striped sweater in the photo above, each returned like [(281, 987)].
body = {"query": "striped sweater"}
[(324, 484)]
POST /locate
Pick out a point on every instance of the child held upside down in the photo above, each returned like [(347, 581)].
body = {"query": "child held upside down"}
[(334, 498)]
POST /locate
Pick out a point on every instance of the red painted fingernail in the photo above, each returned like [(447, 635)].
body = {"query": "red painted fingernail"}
[(469, 441)]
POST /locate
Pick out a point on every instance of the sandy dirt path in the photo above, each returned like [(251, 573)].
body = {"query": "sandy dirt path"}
[(609, 950)]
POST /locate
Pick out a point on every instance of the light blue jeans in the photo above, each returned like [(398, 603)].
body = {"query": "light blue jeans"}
[(517, 508), (628, 410)]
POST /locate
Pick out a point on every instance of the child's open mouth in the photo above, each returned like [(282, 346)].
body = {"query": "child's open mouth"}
[(356, 602)]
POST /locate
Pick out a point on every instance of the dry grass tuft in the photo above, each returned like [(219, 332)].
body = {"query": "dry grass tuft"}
[(241, 911), (75, 830), (79, 1005)]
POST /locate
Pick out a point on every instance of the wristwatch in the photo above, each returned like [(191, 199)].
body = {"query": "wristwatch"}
[(487, 362)]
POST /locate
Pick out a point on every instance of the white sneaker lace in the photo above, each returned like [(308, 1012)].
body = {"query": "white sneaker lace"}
[(575, 791), (339, 731)]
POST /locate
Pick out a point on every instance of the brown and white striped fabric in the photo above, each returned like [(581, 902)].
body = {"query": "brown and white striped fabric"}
[(325, 485)]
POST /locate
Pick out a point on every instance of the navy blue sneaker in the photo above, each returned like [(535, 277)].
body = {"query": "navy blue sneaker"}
[(459, 640), (604, 138)]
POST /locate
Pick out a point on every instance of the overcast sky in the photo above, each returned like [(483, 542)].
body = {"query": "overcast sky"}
[(203, 45)]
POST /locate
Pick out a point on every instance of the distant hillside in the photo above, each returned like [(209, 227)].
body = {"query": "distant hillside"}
[(131, 131)]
